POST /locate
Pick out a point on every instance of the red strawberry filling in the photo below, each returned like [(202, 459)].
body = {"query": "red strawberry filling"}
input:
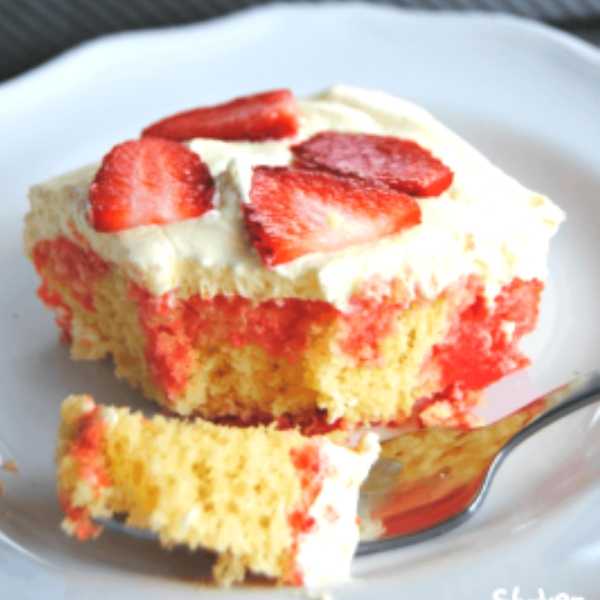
[(283, 329), (293, 212), (86, 451), (311, 470), (174, 327), (481, 349), (75, 267), (269, 115), (400, 164), (149, 182)]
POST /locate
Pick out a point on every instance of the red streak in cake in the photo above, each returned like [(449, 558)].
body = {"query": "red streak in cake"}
[(315, 423), (301, 522), (311, 468), (281, 327), (309, 423), (86, 451), (370, 318), (173, 327), (84, 527), (73, 265), (478, 350), (168, 347)]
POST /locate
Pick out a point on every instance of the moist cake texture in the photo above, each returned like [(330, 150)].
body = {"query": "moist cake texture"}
[(195, 317)]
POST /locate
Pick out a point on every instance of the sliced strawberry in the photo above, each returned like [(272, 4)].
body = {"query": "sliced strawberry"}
[(293, 212), (270, 115), (400, 164), (149, 181)]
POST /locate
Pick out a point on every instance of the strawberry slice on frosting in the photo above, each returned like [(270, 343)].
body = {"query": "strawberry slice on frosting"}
[(293, 212), (400, 164)]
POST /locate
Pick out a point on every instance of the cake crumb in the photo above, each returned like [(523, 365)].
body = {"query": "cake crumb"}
[(10, 466)]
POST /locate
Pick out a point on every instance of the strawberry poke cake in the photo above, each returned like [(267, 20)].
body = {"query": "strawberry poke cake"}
[(341, 259), (274, 503)]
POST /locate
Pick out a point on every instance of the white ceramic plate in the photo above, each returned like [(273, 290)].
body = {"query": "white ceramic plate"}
[(527, 96)]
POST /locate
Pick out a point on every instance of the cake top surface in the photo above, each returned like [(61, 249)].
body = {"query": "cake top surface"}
[(485, 223)]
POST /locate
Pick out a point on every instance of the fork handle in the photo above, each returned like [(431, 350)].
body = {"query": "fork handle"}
[(580, 392)]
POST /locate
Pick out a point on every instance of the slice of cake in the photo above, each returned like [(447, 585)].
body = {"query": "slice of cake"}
[(344, 258), (270, 502)]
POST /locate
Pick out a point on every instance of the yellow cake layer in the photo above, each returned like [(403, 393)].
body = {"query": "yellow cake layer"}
[(230, 490)]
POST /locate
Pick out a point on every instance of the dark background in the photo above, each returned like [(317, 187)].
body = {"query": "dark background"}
[(32, 31)]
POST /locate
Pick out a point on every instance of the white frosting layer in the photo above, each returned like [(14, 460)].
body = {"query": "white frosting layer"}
[(486, 223), (325, 553)]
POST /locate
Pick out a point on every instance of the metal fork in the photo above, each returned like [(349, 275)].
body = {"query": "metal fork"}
[(429, 481)]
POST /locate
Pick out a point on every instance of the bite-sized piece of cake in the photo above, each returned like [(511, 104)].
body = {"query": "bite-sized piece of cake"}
[(270, 502), (358, 263)]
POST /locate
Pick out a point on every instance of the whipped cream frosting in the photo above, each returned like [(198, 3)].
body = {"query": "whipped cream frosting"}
[(325, 552), (485, 223)]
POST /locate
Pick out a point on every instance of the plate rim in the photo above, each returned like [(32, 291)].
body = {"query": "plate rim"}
[(578, 47)]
